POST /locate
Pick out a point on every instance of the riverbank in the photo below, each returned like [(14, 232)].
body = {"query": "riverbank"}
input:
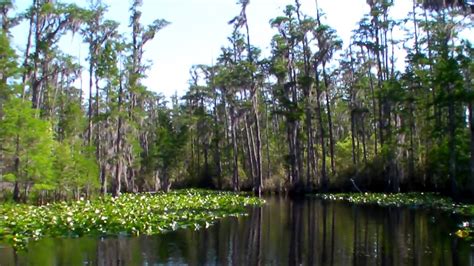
[(129, 214)]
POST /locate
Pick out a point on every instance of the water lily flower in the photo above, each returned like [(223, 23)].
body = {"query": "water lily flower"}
[(462, 234)]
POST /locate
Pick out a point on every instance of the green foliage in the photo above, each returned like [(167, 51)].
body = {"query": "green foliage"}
[(170, 141), (129, 214), (8, 66), (71, 120), (74, 167), (303, 105), (28, 140), (430, 200)]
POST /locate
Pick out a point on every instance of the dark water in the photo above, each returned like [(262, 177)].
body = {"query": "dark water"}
[(284, 232)]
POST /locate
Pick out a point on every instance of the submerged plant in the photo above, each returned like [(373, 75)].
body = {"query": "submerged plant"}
[(129, 214)]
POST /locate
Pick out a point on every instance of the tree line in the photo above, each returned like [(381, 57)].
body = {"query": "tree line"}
[(318, 115), (314, 115), (58, 143)]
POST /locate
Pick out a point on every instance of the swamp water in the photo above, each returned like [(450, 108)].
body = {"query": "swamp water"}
[(282, 232)]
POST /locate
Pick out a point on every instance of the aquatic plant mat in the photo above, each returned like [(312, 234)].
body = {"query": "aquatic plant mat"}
[(414, 200), (129, 214)]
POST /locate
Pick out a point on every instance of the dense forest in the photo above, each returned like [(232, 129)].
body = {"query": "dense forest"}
[(315, 115)]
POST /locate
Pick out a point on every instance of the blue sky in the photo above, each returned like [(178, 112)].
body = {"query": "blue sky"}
[(199, 29)]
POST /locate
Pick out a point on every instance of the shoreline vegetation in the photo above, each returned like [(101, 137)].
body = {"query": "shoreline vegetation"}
[(311, 114), (424, 200), (412, 199), (129, 214)]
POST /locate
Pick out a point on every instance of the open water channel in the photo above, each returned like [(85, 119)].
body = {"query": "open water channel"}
[(283, 232)]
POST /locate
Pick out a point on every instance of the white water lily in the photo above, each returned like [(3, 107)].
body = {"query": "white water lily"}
[(131, 214)]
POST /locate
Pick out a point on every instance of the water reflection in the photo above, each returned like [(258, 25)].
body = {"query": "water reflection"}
[(284, 232)]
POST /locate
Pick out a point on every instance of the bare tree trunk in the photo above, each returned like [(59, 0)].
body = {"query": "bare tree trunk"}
[(353, 133), (249, 148), (235, 176), (325, 182), (374, 99), (436, 109), (259, 183), (452, 143), (310, 158), (379, 84), (352, 107), (254, 95), (328, 107), (91, 77), (16, 192), (415, 26), (16, 189), (217, 153), (26, 72), (118, 148), (103, 180), (310, 162), (364, 145), (166, 181), (471, 161), (36, 84), (267, 142), (324, 178)]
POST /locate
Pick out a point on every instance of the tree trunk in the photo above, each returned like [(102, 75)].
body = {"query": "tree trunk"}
[(16, 189), (328, 107), (103, 180), (165, 180), (249, 147), (118, 148), (26, 73), (374, 99), (36, 84), (16, 192), (235, 176), (471, 161), (310, 162), (259, 184), (353, 133), (217, 153), (324, 178), (267, 142), (91, 77), (452, 143), (352, 107)]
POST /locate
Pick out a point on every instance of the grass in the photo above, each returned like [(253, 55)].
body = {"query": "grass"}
[(130, 214)]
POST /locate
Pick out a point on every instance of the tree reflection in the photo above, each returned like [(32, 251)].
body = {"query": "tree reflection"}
[(309, 232)]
